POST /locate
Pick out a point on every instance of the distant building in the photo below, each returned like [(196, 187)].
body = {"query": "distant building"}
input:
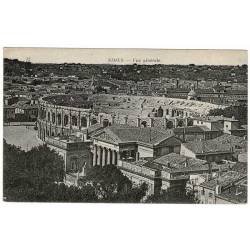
[(192, 133), (210, 150), (9, 113), (221, 123)]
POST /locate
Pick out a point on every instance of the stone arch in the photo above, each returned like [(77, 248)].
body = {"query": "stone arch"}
[(105, 122), (160, 112), (74, 120), (84, 121), (53, 117), (169, 124), (59, 119), (66, 120), (93, 121), (48, 116), (144, 124), (190, 122), (180, 123)]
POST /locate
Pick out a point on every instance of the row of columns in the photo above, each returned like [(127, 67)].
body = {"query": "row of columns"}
[(104, 156)]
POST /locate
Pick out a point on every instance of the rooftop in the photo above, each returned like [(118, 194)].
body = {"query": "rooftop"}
[(77, 101), (223, 143), (214, 118), (224, 180), (125, 134), (174, 163)]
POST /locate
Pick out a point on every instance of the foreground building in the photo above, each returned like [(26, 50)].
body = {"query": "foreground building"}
[(116, 143), (76, 153), (228, 187)]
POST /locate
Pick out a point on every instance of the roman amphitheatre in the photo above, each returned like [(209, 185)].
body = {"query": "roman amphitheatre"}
[(64, 114)]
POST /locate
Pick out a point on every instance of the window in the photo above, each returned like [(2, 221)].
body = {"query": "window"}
[(210, 195)]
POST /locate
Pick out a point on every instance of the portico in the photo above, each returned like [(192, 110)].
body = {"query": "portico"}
[(105, 156)]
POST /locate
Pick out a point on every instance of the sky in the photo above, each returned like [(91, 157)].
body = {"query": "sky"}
[(128, 56)]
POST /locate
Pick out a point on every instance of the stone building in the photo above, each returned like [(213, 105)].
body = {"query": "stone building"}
[(229, 187), (116, 143), (76, 153)]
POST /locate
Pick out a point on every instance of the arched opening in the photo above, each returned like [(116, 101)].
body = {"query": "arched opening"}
[(169, 124), (53, 118), (84, 122), (66, 120), (190, 122), (52, 134), (144, 124), (160, 112), (59, 119), (93, 121), (180, 123), (74, 120), (48, 116), (105, 123)]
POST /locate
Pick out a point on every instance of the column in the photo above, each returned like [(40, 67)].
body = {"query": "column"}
[(109, 157), (95, 155), (99, 155), (118, 158), (126, 119), (103, 157), (79, 120), (113, 157), (88, 121)]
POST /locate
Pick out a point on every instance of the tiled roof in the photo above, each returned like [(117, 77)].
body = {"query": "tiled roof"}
[(223, 143), (191, 129), (174, 162), (214, 118), (224, 180), (124, 133), (236, 193), (209, 146)]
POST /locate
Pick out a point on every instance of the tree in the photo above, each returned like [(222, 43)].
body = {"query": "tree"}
[(37, 175), (112, 186), (239, 112)]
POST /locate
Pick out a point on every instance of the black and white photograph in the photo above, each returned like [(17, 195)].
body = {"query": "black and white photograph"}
[(125, 126)]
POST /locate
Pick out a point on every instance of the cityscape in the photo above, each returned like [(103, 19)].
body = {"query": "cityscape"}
[(125, 133)]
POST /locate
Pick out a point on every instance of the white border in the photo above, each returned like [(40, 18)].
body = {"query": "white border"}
[(183, 24)]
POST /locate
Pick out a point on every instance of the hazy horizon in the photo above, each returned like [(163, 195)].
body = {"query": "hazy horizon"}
[(103, 56)]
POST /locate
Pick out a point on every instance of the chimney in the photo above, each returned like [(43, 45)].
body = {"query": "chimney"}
[(151, 122), (218, 189), (112, 119), (126, 119), (85, 136), (186, 163), (100, 119), (137, 156), (138, 122)]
